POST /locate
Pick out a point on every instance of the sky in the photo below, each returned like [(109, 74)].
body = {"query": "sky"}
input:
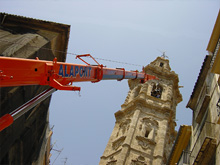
[(127, 31)]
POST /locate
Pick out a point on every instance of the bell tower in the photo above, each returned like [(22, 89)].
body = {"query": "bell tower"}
[(145, 126)]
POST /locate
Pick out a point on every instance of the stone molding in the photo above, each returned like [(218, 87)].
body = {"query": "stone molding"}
[(123, 126), (149, 120), (112, 161), (139, 102), (111, 155), (138, 161), (118, 142), (145, 143)]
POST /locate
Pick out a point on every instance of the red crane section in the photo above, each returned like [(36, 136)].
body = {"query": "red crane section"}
[(59, 75)]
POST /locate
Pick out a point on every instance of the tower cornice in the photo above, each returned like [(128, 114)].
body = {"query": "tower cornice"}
[(139, 103)]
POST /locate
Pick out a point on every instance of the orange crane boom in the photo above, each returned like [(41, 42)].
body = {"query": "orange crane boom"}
[(21, 72), (58, 75)]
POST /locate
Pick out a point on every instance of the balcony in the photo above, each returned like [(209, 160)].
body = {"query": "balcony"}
[(205, 144)]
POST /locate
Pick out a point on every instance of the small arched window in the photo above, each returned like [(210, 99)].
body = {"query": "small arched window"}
[(157, 91), (147, 133), (161, 64)]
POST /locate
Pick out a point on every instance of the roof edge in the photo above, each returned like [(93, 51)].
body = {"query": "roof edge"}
[(200, 80), (215, 35)]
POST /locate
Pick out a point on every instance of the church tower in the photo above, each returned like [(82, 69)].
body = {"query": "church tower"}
[(144, 131)]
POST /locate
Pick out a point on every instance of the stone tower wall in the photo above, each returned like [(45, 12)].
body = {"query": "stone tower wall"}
[(144, 131)]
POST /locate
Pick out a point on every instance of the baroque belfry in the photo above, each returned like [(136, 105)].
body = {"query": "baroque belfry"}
[(144, 130)]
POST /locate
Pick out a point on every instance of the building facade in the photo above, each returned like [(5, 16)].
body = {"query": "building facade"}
[(203, 142), (144, 131), (204, 102), (27, 140)]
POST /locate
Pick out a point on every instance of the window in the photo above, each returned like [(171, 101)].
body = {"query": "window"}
[(218, 107), (147, 133), (156, 91), (219, 81), (161, 64)]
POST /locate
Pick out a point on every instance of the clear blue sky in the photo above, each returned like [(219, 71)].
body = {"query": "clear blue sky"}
[(131, 31)]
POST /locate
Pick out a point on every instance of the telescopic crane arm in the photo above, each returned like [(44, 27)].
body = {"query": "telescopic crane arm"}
[(58, 75)]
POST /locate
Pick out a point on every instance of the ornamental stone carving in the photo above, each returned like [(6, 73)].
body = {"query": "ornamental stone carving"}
[(148, 122), (133, 93), (145, 143), (123, 127), (138, 161), (112, 161), (117, 143), (148, 130)]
